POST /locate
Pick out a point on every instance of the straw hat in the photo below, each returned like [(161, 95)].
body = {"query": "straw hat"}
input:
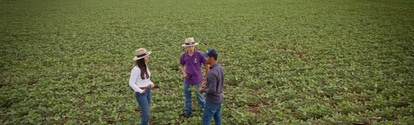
[(189, 42), (141, 53)]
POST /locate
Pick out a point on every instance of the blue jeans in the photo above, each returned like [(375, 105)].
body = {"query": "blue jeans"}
[(144, 101), (212, 110), (188, 101)]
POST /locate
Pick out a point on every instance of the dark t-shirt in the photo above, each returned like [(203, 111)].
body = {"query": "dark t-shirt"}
[(215, 84)]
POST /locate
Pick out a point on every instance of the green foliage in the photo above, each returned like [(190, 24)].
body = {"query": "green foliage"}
[(286, 62)]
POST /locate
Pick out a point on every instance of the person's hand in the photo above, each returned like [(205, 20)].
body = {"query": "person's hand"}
[(143, 91), (185, 75), (152, 86), (203, 84), (200, 89)]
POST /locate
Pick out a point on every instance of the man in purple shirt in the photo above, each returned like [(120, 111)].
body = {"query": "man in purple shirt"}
[(191, 62)]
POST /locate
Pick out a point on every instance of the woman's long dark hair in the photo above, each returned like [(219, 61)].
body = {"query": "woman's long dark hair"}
[(143, 67)]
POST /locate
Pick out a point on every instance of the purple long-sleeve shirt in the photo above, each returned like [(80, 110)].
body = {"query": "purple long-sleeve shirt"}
[(193, 67), (215, 84)]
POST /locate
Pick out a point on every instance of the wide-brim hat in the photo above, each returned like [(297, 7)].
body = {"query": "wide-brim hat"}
[(189, 42), (141, 53)]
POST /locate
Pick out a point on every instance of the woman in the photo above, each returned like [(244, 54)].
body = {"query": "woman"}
[(140, 82)]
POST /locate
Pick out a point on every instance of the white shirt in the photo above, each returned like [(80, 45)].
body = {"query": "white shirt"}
[(135, 81)]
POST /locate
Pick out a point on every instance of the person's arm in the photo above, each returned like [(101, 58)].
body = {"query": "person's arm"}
[(183, 70), (207, 66), (133, 80), (182, 65), (211, 85), (207, 70), (152, 85)]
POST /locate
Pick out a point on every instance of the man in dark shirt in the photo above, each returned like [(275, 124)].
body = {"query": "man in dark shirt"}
[(213, 89)]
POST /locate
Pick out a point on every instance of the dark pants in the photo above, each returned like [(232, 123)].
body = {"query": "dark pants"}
[(188, 99), (212, 109)]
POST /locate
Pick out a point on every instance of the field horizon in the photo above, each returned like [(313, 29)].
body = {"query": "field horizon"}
[(286, 62)]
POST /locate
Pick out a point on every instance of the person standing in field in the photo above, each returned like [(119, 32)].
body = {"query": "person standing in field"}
[(191, 62), (213, 88), (141, 84)]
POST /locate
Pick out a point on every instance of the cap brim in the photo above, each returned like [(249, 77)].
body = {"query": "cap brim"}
[(204, 54), (136, 58), (189, 45)]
